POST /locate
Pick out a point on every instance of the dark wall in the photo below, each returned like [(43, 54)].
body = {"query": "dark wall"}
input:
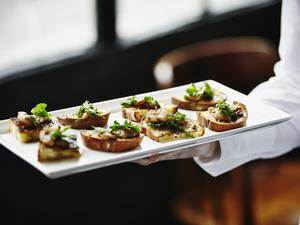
[(122, 194)]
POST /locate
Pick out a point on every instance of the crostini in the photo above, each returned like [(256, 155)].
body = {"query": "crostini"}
[(86, 117), (55, 145), (161, 125), (199, 98), (118, 138), (26, 128), (135, 110), (224, 116)]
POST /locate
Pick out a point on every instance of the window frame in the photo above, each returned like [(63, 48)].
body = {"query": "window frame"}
[(108, 42)]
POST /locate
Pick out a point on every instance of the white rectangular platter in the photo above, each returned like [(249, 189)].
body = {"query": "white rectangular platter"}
[(260, 115)]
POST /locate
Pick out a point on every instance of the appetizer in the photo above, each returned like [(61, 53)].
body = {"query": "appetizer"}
[(135, 110), (118, 138), (26, 128), (86, 117), (55, 144), (161, 125), (224, 116), (199, 98)]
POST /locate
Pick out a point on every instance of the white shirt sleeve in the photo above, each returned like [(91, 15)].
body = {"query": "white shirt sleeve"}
[(281, 91)]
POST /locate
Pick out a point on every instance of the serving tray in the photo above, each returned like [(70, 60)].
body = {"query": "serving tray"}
[(260, 115)]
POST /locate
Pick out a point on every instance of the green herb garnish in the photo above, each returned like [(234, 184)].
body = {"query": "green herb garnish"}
[(151, 101), (170, 125), (127, 125), (205, 92), (225, 109), (60, 133), (192, 90), (40, 111), (129, 102), (174, 122), (89, 109)]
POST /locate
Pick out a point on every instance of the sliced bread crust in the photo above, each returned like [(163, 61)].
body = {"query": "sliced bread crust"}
[(48, 154), (117, 145), (84, 123)]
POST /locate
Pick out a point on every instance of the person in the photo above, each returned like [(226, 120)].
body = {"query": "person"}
[(281, 91)]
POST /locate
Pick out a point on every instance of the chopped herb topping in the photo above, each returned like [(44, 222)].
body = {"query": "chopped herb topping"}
[(59, 134), (89, 109), (129, 102), (205, 92), (127, 125), (225, 109), (175, 122), (40, 111), (192, 90), (151, 101)]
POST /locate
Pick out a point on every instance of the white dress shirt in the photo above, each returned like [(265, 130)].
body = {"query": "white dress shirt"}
[(281, 91)]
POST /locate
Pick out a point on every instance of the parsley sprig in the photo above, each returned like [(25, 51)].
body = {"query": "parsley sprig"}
[(127, 125), (59, 133), (205, 92), (192, 90), (89, 109), (151, 101), (225, 109), (40, 111), (174, 122), (133, 102), (129, 102)]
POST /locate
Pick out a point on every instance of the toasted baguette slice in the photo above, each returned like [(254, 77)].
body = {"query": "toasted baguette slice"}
[(168, 135), (137, 114), (199, 105), (206, 119), (23, 135), (49, 153), (84, 123), (115, 145), (56, 149)]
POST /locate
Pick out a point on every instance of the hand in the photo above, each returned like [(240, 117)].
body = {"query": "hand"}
[(206, 153)]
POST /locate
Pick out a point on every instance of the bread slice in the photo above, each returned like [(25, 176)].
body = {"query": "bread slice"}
[(50, 153), (23, 135), (53, 149), (206, 119), (110, 145), (84, 123), (137, 114), (200, 105), (161, 135)]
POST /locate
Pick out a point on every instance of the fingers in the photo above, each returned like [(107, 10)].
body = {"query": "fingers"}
[(148, 160)]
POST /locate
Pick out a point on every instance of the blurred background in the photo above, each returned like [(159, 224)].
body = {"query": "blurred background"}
[(64, 52)]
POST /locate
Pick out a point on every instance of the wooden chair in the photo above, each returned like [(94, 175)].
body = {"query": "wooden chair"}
[(241, 63)]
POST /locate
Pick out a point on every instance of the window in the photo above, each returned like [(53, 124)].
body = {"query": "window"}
[(139, 19), (222, 6), (34, 32)]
